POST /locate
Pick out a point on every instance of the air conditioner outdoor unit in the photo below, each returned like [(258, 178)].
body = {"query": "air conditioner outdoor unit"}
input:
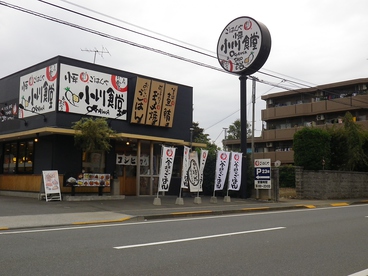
[(320, 117), (269, 145)]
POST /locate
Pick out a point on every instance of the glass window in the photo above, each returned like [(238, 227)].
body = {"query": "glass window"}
[(18, 157), (25, 157)]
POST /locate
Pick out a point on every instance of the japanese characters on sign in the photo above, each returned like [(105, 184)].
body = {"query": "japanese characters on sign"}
[(222, 165), (262, 173), (38, 92), (184, 172), (154, 103), (89, 92), (131, 160), (167, 163), (168, 107), (140, 103), (234, 180), (244, 46), (204, 154), (194, 173)]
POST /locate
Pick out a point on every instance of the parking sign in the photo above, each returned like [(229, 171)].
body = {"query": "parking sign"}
[(262, 173)]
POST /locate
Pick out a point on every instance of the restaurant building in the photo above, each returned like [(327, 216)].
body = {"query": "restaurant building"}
[(40, 104)]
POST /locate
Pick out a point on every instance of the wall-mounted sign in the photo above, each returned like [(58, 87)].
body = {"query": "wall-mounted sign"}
[(37, 92), (131, 160), (154, 103), (244, 46), (84, 91)]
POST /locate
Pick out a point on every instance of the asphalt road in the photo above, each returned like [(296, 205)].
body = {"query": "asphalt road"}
[(323, 241)]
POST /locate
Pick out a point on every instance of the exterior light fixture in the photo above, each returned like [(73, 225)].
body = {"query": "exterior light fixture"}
[(22, 107), (4, 115)]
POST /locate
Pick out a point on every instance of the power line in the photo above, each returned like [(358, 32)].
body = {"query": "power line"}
[(150, 48)]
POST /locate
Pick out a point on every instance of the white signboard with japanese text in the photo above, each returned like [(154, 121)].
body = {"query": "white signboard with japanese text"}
[(37, 92), (184, 172), (234, 180), (194, 173), (222, 165), (166, 168), (262, 173), (85, 91)]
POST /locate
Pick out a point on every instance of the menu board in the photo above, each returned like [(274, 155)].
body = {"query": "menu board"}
[(51, 185), (94, 179)]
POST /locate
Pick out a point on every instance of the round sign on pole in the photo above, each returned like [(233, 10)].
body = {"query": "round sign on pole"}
[(244, 46)]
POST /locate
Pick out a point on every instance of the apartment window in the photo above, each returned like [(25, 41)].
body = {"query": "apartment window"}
[(18, 157)]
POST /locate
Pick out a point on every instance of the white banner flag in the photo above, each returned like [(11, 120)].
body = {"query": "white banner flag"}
[(193, 172), (222, 164), (167, 163), (184, 171), (204, 154), (235, 171)]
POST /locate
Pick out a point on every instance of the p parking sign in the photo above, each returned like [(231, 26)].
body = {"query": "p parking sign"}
[(262, 173)]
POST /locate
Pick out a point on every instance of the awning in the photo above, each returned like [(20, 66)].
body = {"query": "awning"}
[(28, 134)]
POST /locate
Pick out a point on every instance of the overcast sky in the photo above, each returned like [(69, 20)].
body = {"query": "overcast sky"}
[(313, 43)]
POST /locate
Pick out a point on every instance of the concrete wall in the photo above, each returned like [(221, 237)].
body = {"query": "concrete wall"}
[(330, 184)]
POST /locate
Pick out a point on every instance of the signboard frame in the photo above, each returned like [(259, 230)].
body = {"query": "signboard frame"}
[(262, 174), (51, 185)]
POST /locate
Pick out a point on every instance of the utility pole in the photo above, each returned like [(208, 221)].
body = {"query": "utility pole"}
[(225, 129)]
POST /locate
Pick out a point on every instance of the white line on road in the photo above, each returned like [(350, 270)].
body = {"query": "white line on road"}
[(127, 224), (360, 273), (198, 238)]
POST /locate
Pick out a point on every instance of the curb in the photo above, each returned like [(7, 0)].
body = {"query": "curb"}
[(185, 214)]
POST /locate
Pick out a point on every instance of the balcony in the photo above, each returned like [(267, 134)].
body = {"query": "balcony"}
[(286, 157), (315, 108)]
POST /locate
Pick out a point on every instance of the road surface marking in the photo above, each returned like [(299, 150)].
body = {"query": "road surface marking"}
[(360, 273), (198, 238)]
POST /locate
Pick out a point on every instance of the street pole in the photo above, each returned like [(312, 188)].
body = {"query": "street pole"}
[(243, 134), (253, 122), (224, 145)]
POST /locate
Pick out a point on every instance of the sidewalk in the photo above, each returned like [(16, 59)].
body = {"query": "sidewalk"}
[(22, 212)]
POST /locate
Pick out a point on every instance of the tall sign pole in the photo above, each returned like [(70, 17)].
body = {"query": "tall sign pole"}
[(243, 134), (243, 47)]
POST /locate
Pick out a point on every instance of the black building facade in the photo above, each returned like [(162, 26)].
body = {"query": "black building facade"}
[(40, 104)]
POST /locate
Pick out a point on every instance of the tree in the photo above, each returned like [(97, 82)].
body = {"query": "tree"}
[(234, 130), (312, 148), (208, 174), (355, 137), (200, 137), (92, 134), (93, 137)]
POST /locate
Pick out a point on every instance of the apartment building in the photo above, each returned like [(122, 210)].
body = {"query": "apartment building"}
[(289, 111)]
